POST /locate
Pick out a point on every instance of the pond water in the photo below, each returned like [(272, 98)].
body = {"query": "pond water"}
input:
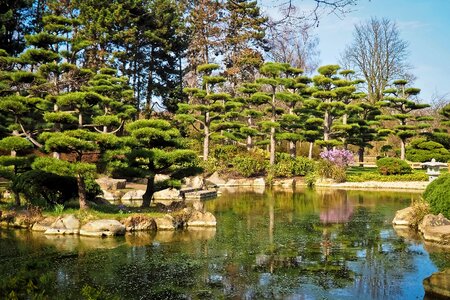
[(323, 244)]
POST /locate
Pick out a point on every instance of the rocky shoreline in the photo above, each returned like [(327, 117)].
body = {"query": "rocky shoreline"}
[(187, 217)]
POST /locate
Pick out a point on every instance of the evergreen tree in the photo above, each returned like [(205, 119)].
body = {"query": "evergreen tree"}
[(398, 100), (155, 147), (206, 107)]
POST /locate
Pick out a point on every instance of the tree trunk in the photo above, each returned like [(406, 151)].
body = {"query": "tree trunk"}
[(206, 138), (82, 192), (293, 149), (326, 126), (361, 156), (402, 150), (272, 146), (311, 145), (149, 191), (249, 138)]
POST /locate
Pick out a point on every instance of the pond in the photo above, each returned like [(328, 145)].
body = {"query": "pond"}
[(273, 244)]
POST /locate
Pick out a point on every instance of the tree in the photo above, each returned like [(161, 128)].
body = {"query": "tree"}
[(155, 147), (333, 93), (206, 106), (72, 142), (11, 166), (272, 72), (378, 54), (398, 100), (14, 20)]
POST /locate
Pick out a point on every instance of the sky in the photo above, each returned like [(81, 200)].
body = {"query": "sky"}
[(423, 24)]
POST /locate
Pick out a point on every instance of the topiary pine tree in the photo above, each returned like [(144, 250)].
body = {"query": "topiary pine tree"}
[(333, 92), (206, 107), (155, 147), (11, 166), (296, 90), (272, 72), (72, 142), (398, 100)]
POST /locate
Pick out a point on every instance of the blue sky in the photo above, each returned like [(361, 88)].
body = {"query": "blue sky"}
[(424, 24)]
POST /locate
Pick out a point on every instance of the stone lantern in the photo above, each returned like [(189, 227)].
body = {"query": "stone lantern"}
[(433, 169)]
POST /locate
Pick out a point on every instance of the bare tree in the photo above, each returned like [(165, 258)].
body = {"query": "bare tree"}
[(378, 54), (295, 46)]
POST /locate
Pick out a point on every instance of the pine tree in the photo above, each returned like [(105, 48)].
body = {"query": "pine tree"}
[(155, 147), (398, 100), (206, 107)]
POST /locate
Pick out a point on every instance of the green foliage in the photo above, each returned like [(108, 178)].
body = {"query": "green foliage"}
[(372, 176), (421, 150), (15, 143), (250, 164), (43, 188), (287, 166), (437, 194), (327, 169), (393, 166)]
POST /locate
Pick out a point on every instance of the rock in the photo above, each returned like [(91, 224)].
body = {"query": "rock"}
[(167, 194), (196, 182), (289, 183), (112, 196), (215, 180), (111, 184), (165, 223), (405, 217), (203, 219), (431, 220), (438, 284), (64, 225), (133, 195), (139, 223), (259, 182), (437, 234), (199, 206), (102, 228), (240, 182), (161, 177), (43, 225)]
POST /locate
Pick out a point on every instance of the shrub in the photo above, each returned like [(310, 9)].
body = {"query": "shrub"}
[(42, 188), (250, 164), (393, 166), (437, 194), (303, 166), (328, 169)]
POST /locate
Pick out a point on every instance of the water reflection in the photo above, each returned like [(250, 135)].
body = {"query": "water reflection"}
[(278, 244)]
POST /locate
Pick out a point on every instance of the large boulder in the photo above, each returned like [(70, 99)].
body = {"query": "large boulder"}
[(438, 285), (201, 219), (410, 216), (431, 220), (165, 223), (133, 195), (64, 225), (139, 223), (167, 194), (43, 225), (435, 229), (102, 228), (215, 180), (286, 183), (196, 182), (111, 184)]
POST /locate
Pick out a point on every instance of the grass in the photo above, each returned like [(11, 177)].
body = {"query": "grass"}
[(95, 212)]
